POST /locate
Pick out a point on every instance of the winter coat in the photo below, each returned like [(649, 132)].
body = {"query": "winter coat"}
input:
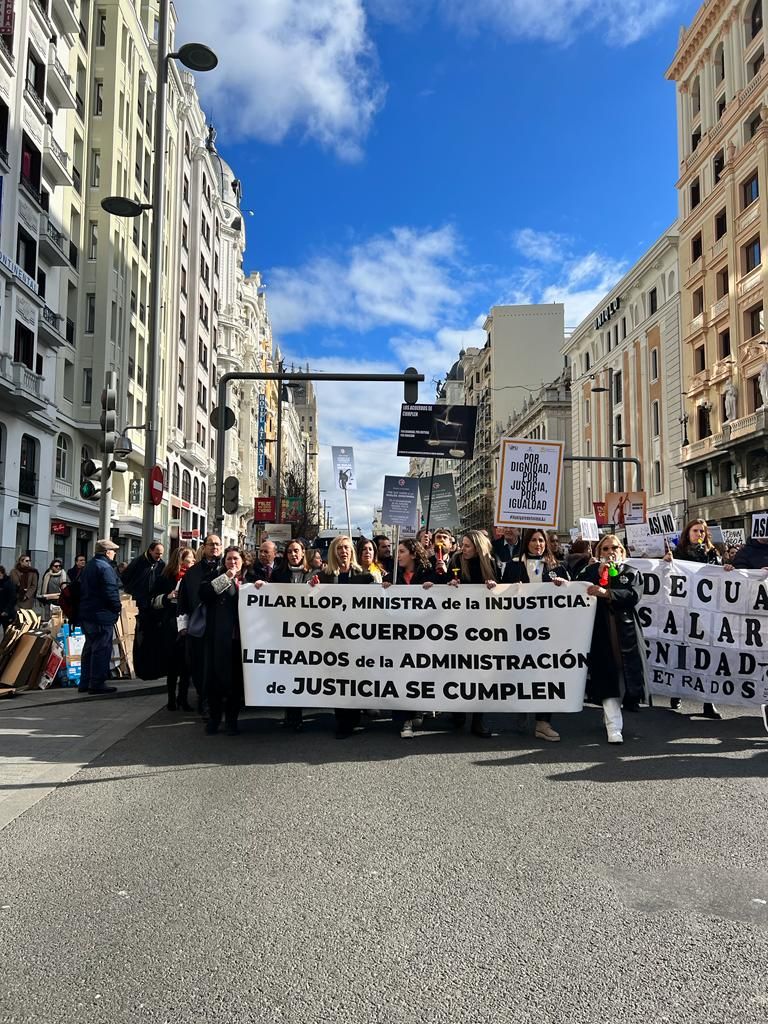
[(140, 577), (100, 592), (222, 632), (475, 572), (355, 576), (283, 574), (697, 553), (577, 565), (503, 552), (421, 575), (7, 599), (516, 571), (617, 654), (753, 555), (25, 581), (52, 583), (189, 590)]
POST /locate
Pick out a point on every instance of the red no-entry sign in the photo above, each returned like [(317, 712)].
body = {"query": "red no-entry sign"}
[(156, 485)]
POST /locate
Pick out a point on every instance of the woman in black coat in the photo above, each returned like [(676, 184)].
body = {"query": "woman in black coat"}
[(696, 545), (223, 654), (171, 645), (617, 655), (536, 563), (294, 568), (343, 568)]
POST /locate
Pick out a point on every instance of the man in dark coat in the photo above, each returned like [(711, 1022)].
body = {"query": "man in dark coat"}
[(265, 563), (753, 555), (139, 581), (74, 574), (99, 611), (509, 545), (189, 599)]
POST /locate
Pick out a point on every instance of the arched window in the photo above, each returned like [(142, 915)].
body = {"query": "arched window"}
[(755, 23), (195, 491), (696, 97), (175, 480), (186, 486), (63, 457), (719, 64), (186, 144), (203, 496)]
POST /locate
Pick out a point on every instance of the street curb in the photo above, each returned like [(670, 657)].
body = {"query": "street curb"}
[(82, 752)]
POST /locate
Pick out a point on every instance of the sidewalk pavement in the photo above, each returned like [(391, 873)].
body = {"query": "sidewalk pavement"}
[(47, 736)]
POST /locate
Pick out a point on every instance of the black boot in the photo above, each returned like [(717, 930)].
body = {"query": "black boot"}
[(171, 687), (710, 711), (182, 702), (675, 703), (479, 728)]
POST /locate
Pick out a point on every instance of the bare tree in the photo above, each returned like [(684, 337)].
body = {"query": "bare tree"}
[(300, 506)]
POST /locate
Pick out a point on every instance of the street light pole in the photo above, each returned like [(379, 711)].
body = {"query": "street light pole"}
[(155, 276)]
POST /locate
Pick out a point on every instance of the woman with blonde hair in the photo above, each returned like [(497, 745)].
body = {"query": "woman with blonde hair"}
[(617, 655)]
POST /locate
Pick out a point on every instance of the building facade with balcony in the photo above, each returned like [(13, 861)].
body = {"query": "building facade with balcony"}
[(721, 83), (521, 353), (41, 142), (625, 363)]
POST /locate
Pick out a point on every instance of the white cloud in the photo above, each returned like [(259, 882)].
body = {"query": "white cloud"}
[(541, 246), (407, 278), (288, 66), (559, 21)]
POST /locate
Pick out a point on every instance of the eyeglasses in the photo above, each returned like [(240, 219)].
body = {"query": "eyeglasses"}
[(611, 547)]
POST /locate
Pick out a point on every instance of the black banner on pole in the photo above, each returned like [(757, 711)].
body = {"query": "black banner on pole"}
[(437, 431)]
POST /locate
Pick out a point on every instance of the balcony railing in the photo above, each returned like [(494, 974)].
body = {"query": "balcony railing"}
[(57, 150), (750, 215), (51, 318), (696, 324), (6, 48), (35, 98), (32, 190), (750, 281), (56, 237), (719, 307)]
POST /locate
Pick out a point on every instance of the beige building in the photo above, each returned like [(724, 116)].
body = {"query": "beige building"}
[(721, 77), (626, 386), (521, 353)]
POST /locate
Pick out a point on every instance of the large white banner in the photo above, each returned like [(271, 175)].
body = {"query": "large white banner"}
[(706, 631), (514, 648)]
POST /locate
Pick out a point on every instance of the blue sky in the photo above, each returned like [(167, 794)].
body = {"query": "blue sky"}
[(409, 164)]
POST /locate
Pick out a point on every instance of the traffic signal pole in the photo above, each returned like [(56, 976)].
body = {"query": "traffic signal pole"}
[(105, 494), (410, 379)]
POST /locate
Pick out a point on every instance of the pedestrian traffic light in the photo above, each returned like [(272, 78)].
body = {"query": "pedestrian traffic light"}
[(90, 485), (411, 387), (231, 495), (109, 418)]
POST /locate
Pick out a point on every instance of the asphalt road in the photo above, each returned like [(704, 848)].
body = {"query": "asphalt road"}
[(275, 877)]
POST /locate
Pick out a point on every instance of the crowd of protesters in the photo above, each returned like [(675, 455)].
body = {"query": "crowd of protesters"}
[(188, 628)]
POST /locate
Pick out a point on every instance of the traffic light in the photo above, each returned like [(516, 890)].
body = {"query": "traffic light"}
[(411, 387), (109, 417), (90, 485), (231, 495)]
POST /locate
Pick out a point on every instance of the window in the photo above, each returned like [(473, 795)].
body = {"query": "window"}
[(182, 327), (101, 28), (181, 375), (186, 486), (623, 327), (696, 248), (721, 224), (63, 457), (195, 491), (203, 494), (586, 410), (30, 162), (183, 280), (751, 253), (180, 417), (655, 419), (698, 301), (755, 20), (753, 68), (185, 190), (28, 466), (90, 313), (720, 107), (724, 344), (705, 487), (617, 430), (93, 240), (754, 321), (98, 97), (26, 252), (696, 97), (750, 191), (695, 139), (653, 301), (184, 235), (35, 75), (718, 164), (95, 168), (703, 421), (175, 480), (87, 385), (617, 388), (753, 124), (24, 346), (721, 283), (654, 364), (695, 193), (587, 361), (699, 359), (657, 477)]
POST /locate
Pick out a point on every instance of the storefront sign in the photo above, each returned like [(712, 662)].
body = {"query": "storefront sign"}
[(262, 436), (706, 631), (17, 271), (519, 648), (264, 509), (7, 16), (59, 529), (528, 484), (610, 310)]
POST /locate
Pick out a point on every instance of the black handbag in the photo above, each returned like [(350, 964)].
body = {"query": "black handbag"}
[(197, 622)]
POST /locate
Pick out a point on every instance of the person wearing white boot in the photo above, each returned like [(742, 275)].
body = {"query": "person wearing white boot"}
[(616, 658)]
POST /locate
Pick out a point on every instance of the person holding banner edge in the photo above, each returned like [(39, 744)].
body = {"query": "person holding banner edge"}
[(616, 658), (696, 545), (224, 654), (473, 563), (536, 563)]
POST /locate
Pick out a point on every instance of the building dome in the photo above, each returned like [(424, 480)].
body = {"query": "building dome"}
[(456, 372), (228, 186)]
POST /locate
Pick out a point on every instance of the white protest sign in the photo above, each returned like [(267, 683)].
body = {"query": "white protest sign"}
[(759, 525), (521, 647), (588, 529), (344, 468), (662, 523), (643, 544), (706, 631), (734, 538), (528, 483), (574, 532)]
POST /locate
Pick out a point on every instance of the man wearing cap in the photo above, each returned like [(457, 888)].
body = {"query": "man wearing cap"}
[(99, 611)]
